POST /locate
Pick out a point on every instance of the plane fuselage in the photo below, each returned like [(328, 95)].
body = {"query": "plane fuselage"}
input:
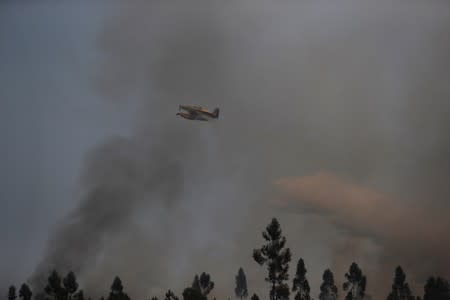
[(194, 112)]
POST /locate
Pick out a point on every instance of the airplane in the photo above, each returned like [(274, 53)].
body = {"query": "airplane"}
[(194, 112)]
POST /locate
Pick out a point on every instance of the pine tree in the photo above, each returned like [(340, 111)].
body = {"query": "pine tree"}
[(241, 285), (12, 293), (328, 290), (254, 297), (70, 285), (437, 289), (78, 296), (201, 287), (300, 283), (117, 290), (277, 258), (206, 285), (54, 288), (25, 292), (400, 289), (355, 284), (203, 284), (154, 298), (117, 286), (191, 293), (170, 296)]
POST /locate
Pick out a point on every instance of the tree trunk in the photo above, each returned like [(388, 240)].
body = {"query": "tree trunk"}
[(272, 292)]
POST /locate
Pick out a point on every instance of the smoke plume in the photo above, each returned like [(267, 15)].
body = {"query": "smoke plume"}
[(404, 233), (358, 89)]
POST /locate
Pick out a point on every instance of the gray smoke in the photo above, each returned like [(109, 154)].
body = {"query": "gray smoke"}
[(357, 89)]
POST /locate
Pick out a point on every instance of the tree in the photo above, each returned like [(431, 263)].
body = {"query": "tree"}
[(191, 293), (25, 292), (206, 285), (54, 288), (355, 284), (201, 287), (154, 298), (79, 295), (400, 289), (436, 289), (277, 258), (117, 286), (300, 283), (203, 284), (254, 297), (71, 285), (196, 283), (170, 296), (241, 285), (328, 290), (117, 290), (12, 293)]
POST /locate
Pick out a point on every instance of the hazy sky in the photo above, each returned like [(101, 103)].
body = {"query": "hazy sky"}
[(334, 119), (49, 118)]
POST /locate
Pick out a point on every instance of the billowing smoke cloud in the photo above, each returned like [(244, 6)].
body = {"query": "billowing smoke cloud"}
[(404, 232), (357, 89)]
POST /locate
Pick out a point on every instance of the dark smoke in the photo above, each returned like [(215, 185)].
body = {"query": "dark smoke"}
[(357, 89)]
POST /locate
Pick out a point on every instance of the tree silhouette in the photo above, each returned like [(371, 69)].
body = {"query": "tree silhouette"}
[(154, 298), (78, 296), (300, 283), (191, 293), (25, 292), (12, 293), (241, 285), (206, 285), (71, 285), (196, 283), (170, 296), (54, 288), (277, 258), (400, 289), (328, 290), (203, 284), (355, 284), (117, 290), (201, 287), (254, 297), (436, 289)]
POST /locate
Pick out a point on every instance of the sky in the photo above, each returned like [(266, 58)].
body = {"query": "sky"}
[(333, 119), (49, 119)]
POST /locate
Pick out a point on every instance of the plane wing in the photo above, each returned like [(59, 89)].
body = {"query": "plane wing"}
[(191, 108)]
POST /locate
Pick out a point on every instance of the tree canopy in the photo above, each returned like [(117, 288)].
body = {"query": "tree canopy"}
[(241, 285), (328, 289), (276, 257), (400, 289), (300, 283), (355, 283), (436, 288)]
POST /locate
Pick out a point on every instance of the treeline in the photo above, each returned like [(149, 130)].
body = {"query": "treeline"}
[(276, 258)]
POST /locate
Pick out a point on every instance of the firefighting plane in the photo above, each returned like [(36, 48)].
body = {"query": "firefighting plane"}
[(193, 112)]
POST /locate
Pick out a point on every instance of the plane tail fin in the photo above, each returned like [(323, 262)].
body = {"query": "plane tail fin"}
[(216, 113)]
